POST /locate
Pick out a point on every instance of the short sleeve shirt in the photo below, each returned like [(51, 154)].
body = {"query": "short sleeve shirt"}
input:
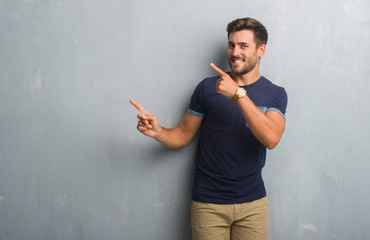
[(229, 159)]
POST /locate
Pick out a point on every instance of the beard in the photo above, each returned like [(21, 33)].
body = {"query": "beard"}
[(250, 64)]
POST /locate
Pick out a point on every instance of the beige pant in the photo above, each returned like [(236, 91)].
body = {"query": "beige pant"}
[(246, 221)]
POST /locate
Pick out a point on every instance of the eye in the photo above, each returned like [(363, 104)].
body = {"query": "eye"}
[(244, 46), (231, 45)]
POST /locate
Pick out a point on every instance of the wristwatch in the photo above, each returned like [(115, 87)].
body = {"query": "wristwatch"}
[(239, 93)]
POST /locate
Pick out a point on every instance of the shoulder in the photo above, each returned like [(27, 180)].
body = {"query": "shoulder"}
[(206, 84), (209, 80), (266, 83), (272, 88)]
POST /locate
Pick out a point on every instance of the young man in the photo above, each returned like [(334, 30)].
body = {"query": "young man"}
[(239, 115)]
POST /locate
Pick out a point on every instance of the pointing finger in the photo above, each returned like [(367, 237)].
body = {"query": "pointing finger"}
[(217, 70), (139, 107)]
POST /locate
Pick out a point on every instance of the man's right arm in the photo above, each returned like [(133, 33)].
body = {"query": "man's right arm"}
[(181, 135), (177, 137)]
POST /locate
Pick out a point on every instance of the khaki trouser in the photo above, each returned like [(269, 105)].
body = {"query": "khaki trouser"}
[(246, 221)]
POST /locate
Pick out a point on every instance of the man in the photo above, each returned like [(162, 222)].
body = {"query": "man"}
[(239, 115)]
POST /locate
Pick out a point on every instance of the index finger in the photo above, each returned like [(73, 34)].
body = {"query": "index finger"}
[(138, 106), (217, 70)]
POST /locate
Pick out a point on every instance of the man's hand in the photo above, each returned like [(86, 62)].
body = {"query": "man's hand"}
[(225, 85), (176, 137), (147, 124)]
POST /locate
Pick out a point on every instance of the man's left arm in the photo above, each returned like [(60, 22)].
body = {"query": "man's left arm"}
[(266, 127)]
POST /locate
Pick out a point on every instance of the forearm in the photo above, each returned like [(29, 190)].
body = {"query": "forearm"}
[(173, 138), (181, 135), (265, 129)]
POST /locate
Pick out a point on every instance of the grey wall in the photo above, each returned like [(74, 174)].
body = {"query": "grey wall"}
[(73, 166)]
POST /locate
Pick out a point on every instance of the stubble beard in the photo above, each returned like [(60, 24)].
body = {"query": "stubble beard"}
[(251, 64)]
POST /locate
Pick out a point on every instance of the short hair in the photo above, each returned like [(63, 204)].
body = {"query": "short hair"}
[(260, 32)]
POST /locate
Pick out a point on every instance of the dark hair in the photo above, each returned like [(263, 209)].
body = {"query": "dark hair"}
[(260, 32)]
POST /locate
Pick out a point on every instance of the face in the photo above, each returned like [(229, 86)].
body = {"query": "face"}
[(242, 54)]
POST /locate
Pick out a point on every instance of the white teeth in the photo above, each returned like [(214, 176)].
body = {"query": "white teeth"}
[(238, 61)]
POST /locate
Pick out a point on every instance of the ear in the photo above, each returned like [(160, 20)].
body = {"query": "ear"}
[(261, 50)]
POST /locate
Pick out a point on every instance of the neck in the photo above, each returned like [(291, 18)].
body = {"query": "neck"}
[(247, 78)]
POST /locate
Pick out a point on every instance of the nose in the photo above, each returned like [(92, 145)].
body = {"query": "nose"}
[(235, 51)]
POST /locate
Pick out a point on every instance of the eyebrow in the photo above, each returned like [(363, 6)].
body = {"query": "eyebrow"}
[(239, 43)]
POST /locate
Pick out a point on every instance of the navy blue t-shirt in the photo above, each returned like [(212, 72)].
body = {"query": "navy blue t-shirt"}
[(229, 159)]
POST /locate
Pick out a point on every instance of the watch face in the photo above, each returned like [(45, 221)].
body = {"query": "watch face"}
[(241, 92)]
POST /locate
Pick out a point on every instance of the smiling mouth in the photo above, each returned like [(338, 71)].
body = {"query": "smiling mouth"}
[(237, 60)]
